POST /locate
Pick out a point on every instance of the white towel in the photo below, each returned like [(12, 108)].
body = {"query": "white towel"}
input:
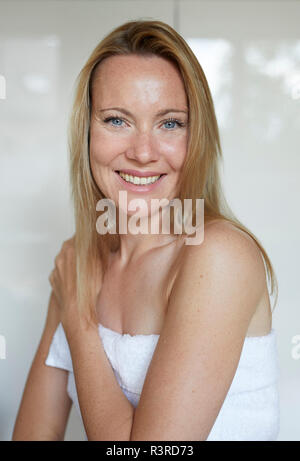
[(250, 411)]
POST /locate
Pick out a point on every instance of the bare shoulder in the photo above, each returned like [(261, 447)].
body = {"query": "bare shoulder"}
[(226, 244), (227, 266)]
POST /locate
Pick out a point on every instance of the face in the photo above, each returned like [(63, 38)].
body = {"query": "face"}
[(139, 128)]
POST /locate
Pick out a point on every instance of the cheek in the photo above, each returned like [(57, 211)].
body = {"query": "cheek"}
[(104, 147), (175, 151)]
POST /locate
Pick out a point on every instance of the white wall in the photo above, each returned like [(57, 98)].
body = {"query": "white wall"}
[(250, 52)]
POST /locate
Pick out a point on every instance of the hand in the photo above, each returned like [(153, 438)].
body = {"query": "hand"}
[(63, 282)]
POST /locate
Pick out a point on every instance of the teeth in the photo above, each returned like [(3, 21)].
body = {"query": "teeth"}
[(139, 180)]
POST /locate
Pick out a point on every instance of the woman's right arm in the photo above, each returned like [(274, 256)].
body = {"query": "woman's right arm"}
[(45, 407)]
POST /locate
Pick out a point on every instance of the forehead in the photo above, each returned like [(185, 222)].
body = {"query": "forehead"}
[(134, 63), (134, 75)]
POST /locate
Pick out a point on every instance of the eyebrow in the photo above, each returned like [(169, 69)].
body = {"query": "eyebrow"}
[(159, 114)]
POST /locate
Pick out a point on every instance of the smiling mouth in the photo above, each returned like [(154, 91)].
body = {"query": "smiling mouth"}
[(139, 180)]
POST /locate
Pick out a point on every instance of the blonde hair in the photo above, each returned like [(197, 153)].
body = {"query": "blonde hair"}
[(200, 174)]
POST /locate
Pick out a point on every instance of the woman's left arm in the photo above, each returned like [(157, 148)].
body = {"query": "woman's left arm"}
[(106, 412)]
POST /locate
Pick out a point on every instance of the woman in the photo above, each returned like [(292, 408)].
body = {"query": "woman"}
[(150, 338)]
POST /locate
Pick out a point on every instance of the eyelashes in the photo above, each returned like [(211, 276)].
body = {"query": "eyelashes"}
[(169, 120), (174, 120)]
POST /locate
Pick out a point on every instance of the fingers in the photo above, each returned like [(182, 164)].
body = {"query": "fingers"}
[(51, 278), (67, 252), (63, 262), (57, 260), (70, 243), (54, 282)]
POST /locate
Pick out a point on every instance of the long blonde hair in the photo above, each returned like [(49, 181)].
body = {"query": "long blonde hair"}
[(200, 174)]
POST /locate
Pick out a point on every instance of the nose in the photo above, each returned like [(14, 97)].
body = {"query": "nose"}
[(142, 148)]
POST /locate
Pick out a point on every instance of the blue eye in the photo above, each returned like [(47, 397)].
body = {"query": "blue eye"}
[(113, 119), (171, 120)]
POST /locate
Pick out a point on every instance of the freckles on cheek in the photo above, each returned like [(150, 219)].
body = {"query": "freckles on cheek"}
[(175, 153), (105, 147)]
